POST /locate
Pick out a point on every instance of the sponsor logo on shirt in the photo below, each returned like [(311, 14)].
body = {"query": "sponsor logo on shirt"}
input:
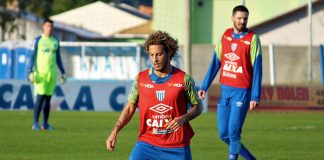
[(147, 85), (228, 38), (231, 68), (227, 74), (246, 42), (178, 85), (232, 56), (161, 131), (161, 108), (159, 122)]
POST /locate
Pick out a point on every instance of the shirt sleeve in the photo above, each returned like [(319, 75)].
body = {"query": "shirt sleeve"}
[(133, 93), (34, 55), (256, 59), (190, 90), (213, 67), (58, 59)]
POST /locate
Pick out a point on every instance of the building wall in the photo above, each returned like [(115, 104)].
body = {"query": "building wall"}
[(294, 30), (260, 11), (169, 16), (202, 21), (33, 29)]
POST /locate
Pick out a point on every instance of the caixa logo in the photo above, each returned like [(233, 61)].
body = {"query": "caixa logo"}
[(15, 97), (20, 96)]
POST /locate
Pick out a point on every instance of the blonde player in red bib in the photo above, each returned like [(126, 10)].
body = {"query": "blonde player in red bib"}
[(161, 94)]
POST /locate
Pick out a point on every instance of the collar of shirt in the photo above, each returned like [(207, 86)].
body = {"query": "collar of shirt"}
[(159, 80), (240, 35)]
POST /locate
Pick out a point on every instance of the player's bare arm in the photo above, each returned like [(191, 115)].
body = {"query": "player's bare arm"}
[(253, 105), (123, 119), (177, 122)]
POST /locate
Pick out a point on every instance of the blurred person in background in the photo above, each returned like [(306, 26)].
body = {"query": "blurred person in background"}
[(238, 56), (161, 94), (42, 73)]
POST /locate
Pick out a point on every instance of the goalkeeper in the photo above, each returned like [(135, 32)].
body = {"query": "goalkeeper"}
[(42, 73)]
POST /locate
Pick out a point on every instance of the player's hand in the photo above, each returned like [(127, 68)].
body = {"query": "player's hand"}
[(253, 105), (201, 94), (111, 141), (63, 79), (176, 123), (31, 77)]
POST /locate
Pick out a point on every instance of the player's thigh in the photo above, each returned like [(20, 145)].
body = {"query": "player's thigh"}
[(239, 107), (223, 115), (143, 151), (175, 153)]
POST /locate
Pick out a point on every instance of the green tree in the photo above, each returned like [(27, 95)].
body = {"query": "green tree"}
[(7, 18), (41, 8)]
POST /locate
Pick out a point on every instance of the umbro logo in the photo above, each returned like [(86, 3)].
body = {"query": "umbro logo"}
[(232, 56), (239, 104), (161, 108)]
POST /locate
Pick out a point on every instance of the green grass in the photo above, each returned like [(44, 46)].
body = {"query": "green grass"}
[(82, 135)]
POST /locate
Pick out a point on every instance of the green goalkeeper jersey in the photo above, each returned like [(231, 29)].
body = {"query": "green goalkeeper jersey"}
[(45, 66)]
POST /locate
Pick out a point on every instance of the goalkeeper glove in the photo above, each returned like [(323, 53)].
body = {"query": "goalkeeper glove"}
[(63, 79), (31, 77)]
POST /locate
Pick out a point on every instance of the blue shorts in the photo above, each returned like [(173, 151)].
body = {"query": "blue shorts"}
[(145, 151)]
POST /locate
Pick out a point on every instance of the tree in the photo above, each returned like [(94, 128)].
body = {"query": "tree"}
[(7, 18), (41, 8)]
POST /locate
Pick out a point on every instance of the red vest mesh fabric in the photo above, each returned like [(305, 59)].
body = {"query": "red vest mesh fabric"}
[(236, 65), (158, 105)]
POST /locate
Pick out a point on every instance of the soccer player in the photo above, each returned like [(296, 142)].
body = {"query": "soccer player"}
[(42, 72), (238, 56), (161, 94)]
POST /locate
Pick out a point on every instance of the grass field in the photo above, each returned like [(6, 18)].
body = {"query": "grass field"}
[(82, 136)]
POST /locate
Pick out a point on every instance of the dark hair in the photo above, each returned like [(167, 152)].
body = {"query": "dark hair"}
[(170, 45), (240, 8), (46, 20)]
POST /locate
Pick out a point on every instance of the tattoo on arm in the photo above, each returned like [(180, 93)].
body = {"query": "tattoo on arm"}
[(194, 112), (125, 116)]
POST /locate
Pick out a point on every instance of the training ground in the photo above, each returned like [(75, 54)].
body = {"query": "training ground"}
[(82, 135)]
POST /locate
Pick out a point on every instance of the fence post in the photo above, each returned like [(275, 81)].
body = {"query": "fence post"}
[(321, 55), (272, 65)]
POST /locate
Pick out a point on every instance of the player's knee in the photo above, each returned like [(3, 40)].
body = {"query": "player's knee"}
[(224, 137), (234, 136)]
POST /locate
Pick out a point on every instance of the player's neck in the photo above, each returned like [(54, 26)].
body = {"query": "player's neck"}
[(164, 72), (239, 31), (46, 35)]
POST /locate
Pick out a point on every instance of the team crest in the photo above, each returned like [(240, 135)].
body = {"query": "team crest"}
[(160, 95), (233, 47)]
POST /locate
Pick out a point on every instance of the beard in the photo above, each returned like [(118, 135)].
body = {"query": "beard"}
[(240, 27), (161, 67)]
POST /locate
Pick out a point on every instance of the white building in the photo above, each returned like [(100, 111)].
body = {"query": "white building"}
[(291, 28), (108, 20)]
